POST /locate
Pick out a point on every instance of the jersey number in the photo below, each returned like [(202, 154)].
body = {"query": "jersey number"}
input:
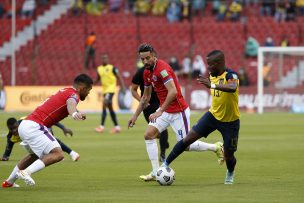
[(216, 93)]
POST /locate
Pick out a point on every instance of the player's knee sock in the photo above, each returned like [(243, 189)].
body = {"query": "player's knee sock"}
[(64, 147), (152, 150), (230, 163), (113, 116), (103, 117), (163, 142), (34, 167), (12, 178), (201, 146), (176, 151)]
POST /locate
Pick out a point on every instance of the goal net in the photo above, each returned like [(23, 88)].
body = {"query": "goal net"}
[(280, 81)]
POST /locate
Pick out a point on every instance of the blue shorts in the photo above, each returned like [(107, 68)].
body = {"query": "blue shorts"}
[(229, 130)]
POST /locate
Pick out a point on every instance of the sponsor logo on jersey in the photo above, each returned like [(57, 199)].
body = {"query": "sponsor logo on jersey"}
[(164, 73)]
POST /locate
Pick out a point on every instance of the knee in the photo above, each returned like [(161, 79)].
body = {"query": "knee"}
[(148, 136), (59, 156)]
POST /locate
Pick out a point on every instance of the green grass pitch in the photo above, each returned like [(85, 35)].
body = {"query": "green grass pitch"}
[(270, 165)]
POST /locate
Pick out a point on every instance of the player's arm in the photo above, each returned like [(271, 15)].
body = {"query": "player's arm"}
[(231, 85), (120, 81), (172, 93), (65, 130), (143, 103), (134, 88), (71, 107), (97, 79)]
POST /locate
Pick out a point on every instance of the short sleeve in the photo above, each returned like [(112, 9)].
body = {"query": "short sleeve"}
[(165, 75), (231, 76), (138, 77), (147, 81)]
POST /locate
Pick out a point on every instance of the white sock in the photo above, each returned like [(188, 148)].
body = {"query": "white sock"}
[(152, 150), (72, 153), (12, 178), (34, 167), (201, 146)]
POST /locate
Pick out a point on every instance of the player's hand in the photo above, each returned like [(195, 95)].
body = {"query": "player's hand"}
[(154, 116), (131, 122), (79, 116), (67, 132), (204, 81)]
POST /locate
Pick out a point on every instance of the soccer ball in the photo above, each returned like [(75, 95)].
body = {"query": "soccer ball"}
[(165, 176)]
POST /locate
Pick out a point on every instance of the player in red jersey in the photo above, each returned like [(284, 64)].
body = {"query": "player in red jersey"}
[(173, 109), (43, 148)]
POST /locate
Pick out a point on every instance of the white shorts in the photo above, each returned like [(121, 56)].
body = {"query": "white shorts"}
[(180, 123), (36, 138)]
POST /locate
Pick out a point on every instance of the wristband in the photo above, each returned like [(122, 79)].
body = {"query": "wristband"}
[(74, 114), (213, 86)]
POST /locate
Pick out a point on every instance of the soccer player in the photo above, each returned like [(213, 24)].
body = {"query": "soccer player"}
[(108, 74), (43, 148), (173, 109), (138, 82), (223, 114), (13, 137)]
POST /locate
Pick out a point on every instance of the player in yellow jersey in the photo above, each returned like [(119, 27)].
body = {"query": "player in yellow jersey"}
[(108, 75), (223, 114)]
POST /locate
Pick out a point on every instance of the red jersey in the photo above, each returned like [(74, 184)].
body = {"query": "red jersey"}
[(54, 109), (158, 77)]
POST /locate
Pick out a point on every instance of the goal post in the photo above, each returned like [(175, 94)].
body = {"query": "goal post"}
[(280, 71)]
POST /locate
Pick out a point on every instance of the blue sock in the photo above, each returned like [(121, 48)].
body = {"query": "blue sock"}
[(176, 151)]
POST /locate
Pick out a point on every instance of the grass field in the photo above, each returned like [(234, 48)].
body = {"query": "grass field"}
[(270, 166)]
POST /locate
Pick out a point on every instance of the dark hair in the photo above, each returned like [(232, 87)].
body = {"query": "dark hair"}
[(145, 47), (11, 121), (84, 79), (216, 53)]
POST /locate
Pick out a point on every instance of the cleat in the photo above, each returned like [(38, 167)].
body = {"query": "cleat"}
[(4, 159), (116, 129), (6, 184), (23, 175), (219, 151), (149, 177), (99, 129), (75, 156), (229, 178)]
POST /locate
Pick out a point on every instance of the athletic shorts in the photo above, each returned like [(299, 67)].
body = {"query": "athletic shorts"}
[(229, 130), (108, 97), (179, 122), (36, 138)]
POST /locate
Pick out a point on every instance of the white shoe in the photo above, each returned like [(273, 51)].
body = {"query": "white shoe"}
[(75, 156), (149, 177), (23, 175)]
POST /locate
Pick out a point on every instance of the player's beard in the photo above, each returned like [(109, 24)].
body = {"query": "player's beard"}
[(82, 97), (149, 67)]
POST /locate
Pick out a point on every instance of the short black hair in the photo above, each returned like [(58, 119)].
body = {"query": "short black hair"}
[(216, 53), (11, 121), (84, 79), (145, 47)]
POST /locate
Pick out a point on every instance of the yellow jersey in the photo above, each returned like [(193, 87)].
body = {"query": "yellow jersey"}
[(224, 106), (107, 75)]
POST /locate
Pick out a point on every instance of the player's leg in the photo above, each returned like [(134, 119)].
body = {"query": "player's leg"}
[(8, 150), (23, 164), (116, 128), (150, 136), (163, 138), (43, 144), (164, 144), (74, 155), (230, 133), (190, 142), (101, 128)]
